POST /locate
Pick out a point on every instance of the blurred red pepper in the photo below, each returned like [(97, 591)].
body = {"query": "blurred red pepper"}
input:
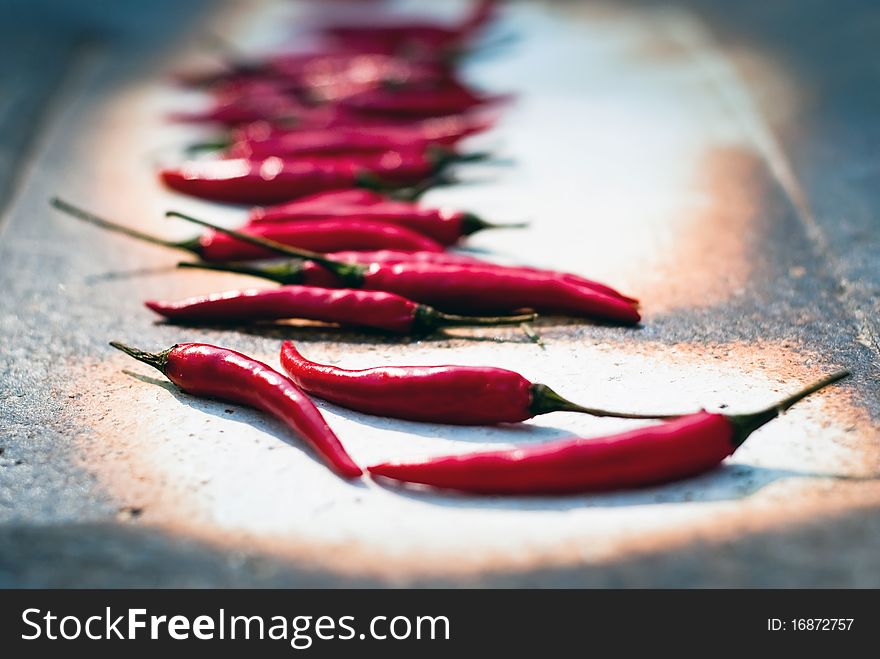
[(418, 102), (274, 180), (439, 130), (447, 227), (413, 37)]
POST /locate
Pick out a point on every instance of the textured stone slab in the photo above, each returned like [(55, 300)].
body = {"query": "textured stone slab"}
[(666, 151)]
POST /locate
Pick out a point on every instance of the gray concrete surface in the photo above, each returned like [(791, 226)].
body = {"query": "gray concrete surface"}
[(715, 160)]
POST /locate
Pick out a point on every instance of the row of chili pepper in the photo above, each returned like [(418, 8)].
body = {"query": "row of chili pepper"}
[(686, 445), (319, 135)]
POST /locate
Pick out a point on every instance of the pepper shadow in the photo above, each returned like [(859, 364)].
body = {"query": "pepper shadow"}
[(729, 482), (341, 334), (245, 415), (502, 433), (118, 275)]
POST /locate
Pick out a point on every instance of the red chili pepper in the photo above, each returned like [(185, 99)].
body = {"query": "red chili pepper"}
[(274, 180), (673, 450), (208, 371), (448, 258), (357, 138), (445, 226), (318, 235), (440, 130), (375, 309), (421, 102), (461, 288), (396, 256), (461, 395), (326, 235), (333, 198), (267, 104), (319, 70), (343, 141), (330, 82), (413, 36)]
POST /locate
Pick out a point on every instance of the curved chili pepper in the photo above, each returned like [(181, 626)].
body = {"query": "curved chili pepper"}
[(274, 180), (461, 395), (209, 371), (376, 309), (323, 235), (462, 288), (445, 226), (683, 447)]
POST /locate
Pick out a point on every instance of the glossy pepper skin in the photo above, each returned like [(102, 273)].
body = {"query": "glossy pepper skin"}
[(686, 446), (274, 180), (447, 258), (657, 454), (209, 371), (461, 395), (319, 236), (439, 394), (374, 309)]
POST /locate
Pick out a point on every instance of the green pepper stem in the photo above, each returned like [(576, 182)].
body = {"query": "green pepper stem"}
[(289, 272), (471, 223), (533, 335), (545, 400), (428, 318), (91, 218), (200, 147), (745, 424), (414, 192), (350, 273), (442, 156), (158, 360)]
